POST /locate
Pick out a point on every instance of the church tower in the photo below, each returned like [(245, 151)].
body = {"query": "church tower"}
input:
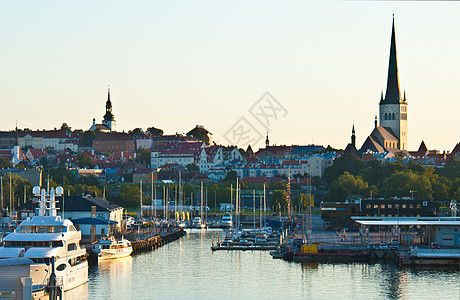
[(109, 119), (393, 108)]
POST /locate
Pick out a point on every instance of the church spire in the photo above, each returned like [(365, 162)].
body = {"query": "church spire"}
[(108, 104), (267, 142), (393, 94), (353, 136)]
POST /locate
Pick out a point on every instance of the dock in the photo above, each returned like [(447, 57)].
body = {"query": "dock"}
[(240, 247), (155, 242)]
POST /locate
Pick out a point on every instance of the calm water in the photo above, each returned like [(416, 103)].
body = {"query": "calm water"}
[(187, 269)]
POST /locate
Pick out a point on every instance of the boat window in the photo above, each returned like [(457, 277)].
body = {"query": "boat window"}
[(61, 267), (72, 228), (72, 247)]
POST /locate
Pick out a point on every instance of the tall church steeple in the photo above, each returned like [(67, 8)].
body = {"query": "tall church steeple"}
[(393, 94), (109, 118), (267, 142), (353, 136), (393, 108)]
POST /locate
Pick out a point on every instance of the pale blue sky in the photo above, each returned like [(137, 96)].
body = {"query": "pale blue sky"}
[(174, 64)]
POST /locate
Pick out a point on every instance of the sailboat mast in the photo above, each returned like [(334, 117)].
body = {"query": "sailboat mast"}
[(140, 197), (155, 205), (260, 212), (201, 202), (254, 207), (237, 204), (231, 195), (265, 209), (181, 205), (152, 195), (1, 194), (11, 195)]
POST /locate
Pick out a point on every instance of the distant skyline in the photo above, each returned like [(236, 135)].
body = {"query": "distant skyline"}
[(177, 64)]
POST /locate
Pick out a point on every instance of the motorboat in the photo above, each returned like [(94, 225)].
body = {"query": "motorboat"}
[(52, 243), (226, 220), (112, 248), (197, 222)]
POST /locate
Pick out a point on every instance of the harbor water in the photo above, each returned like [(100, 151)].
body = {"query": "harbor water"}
[(188, 269)]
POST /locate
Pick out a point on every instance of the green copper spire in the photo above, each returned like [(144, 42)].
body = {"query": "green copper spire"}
[(393, 94)]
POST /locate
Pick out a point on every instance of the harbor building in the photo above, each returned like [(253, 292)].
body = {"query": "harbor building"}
[(443, 230)]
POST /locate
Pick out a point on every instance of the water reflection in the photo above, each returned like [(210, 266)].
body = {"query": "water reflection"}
[(188, 269)]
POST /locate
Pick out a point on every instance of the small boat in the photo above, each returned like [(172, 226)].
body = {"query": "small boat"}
[(112, 248), (198, 223), (226, 220)]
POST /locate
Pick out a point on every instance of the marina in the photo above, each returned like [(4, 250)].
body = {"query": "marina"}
[(231, 275)]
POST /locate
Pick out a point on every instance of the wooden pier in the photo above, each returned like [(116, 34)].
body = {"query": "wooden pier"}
[(155, 242)]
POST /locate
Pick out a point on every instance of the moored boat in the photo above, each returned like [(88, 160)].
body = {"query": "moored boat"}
[(51, 243), (226, 220), (112, 248)]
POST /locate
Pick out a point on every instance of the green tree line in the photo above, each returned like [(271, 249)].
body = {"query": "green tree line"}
[(350, 177)]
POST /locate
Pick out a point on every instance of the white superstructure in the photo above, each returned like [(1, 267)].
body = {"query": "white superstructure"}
[(112, 248), (48, 237)]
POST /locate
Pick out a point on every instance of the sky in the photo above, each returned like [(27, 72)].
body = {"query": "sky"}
[(175, 64)]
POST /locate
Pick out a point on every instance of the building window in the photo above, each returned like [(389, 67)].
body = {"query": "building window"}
[(390, 205), (382, 205), (411, 205), (368, 206), (376, 206), (403, 206)]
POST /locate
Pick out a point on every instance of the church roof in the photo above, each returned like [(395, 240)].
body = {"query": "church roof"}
[(385, 133), (351, 149), (371, 144), (393, 93)]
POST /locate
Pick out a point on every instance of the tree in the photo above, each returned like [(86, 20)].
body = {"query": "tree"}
[(4, 163), (345, 163), (231, 176), (88, 137), (65, 127), (143, 156), (130, 195), (134, 131), (400, 156), (155, 131), (63, 176), (200, 134), (304, 200), (347, 186), (401, 183), (84, 160), (192, 167), (277, 199)]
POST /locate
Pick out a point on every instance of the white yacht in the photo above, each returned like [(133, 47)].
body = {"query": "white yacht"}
[(46, 238), (226, 220), (112, 248), (197, 222)]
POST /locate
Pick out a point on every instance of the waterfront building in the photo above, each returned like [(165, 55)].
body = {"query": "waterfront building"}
[(443, 230), (403, 207), (76, 207)]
